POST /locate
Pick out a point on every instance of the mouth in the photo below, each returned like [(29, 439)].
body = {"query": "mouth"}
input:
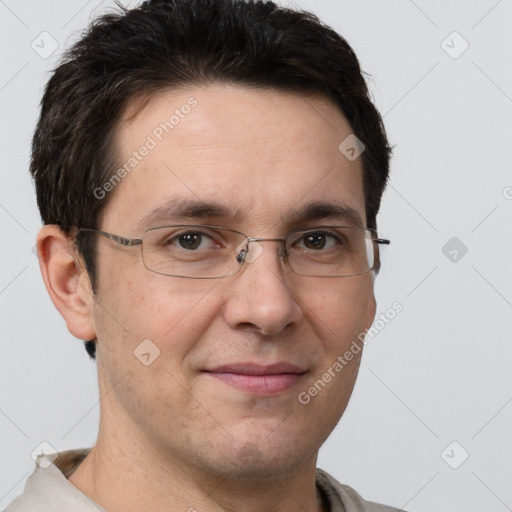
[(256, 379)]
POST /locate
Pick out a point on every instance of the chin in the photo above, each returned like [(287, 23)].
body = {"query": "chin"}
[(264, 457)]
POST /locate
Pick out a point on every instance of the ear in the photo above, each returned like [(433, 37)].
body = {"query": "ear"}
[(66, 280)]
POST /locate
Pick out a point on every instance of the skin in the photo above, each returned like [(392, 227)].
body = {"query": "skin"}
[(172, 437)]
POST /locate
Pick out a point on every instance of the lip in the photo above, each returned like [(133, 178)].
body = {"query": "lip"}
[(264, 380)]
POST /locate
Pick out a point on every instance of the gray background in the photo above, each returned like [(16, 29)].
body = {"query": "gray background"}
[(436, 374)]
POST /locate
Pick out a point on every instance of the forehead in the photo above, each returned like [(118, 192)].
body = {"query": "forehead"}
[(261, 155)]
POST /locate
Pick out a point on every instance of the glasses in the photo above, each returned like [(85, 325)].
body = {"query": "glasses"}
[(212, 252)]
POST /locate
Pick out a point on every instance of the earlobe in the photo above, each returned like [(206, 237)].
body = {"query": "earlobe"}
[(67, 283)]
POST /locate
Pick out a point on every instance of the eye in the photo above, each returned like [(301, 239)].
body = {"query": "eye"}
[(191, 240), (318, 240)]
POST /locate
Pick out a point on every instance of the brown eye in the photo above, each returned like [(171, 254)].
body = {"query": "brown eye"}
[(190, 240), (318, 240), (314, 241)]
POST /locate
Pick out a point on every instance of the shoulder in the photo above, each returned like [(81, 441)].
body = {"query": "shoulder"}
[(343, 498), (18, 505), (47, 488)]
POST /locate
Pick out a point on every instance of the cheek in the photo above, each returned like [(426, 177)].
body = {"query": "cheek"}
[(168, 311), (174, 316), (339, 315), (342, 310)]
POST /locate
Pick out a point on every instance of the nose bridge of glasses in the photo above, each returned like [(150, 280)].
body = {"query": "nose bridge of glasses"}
[(253, 239), (244, 252)]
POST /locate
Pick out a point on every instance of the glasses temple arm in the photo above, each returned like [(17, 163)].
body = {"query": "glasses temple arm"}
[(116, 238)]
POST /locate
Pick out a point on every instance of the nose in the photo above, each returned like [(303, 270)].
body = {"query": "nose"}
[(261, 296)]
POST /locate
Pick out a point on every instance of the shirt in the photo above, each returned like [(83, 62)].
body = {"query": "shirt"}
[(48, 490)]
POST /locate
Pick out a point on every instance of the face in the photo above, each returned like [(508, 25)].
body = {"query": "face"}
[(262, 154)]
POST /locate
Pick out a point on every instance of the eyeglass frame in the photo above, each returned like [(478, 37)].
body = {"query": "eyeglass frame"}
[(131, 242)]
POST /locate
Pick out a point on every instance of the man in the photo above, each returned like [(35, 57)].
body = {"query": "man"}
[(209, 174)]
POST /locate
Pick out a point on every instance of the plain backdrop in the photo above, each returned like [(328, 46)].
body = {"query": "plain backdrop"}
[(428, 425)]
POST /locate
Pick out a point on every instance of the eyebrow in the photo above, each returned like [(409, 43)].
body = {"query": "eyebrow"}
[(181, 209)]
